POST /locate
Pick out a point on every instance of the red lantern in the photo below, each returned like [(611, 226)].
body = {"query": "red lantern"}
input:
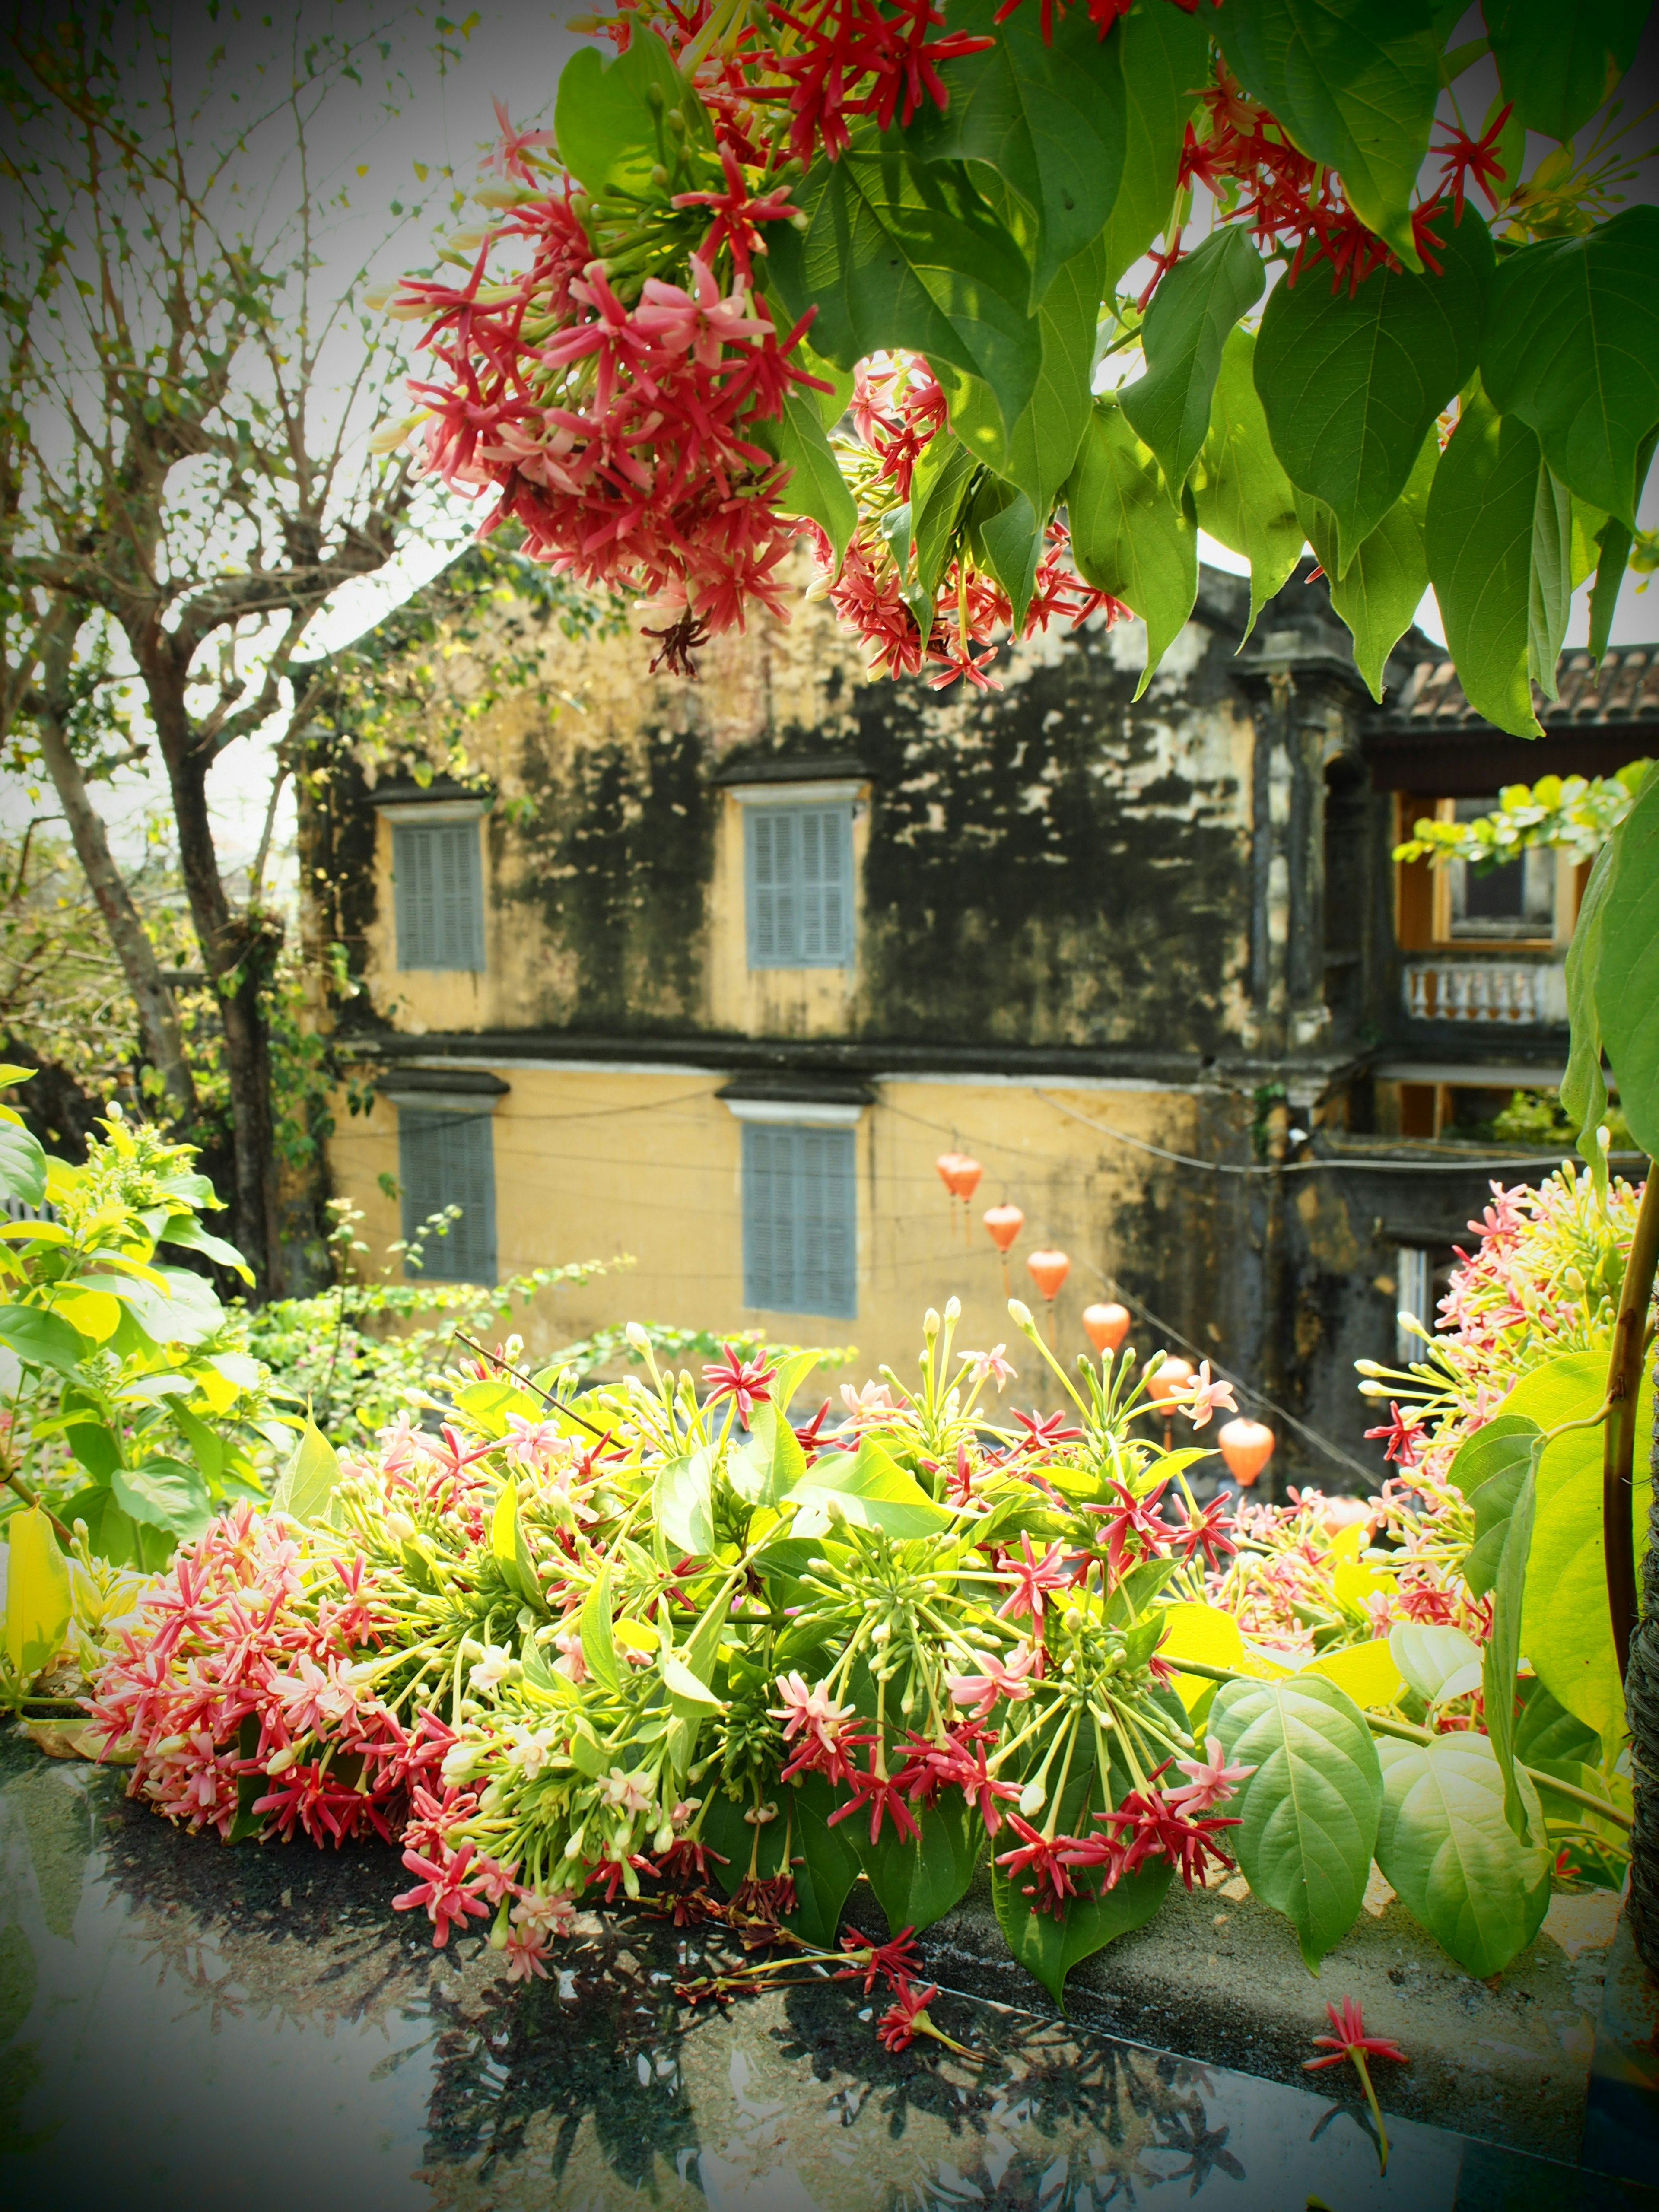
[(1107, 1325), (1247, 1446), (1165, 1388), (1003, 1223), (1049, 1271)]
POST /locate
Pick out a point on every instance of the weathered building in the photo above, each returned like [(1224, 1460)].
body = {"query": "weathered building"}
[(710, 973)]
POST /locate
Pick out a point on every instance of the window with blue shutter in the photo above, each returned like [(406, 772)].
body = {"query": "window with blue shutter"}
[(448, 1158), (797, 869), (438, 888), (799, 1219)]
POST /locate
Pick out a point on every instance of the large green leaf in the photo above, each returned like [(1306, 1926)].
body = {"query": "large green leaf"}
[(938, 490), (1547, 1735), (1005, 536), (1048, 118), (610, 137), (899, 252), (1308, 1812), (816, 488), (114, 1534), (164, 1493), (1165, 59), (1551, 580), (1558, 64), (1037, 453), (1572, 348), (1583, 1087), (40, 1339), (868, 1490), (308, 1482), (1352, 386), (768, 1466), (1502, 1655), (680, 1500), (1479, 551), (1384, 588), (1627, 969), (22, 1164), (1243, 496), (822, 1860), (1128, 537), (1439, 1662), (1444, 1843), (917, 1880), (1489, 1468), (1194, 312), (1353, 85), (185, 1231), (1050, 1948)]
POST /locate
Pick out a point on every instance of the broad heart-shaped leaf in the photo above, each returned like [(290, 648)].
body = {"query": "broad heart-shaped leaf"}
[(307, 1481), (1583, 1087), (768, 1466), (1048, 119), (1438, 1663), (609, 138), (1128, 537), (1479, 537), (1489, 1468), (1384, 588), (40, 1339), (1243, 496), (1050, 1948), (1353, 85), (1444, 1843), (39, 1604), (1572, 348), (868, 1491), (164, 1493), (816, 487), (918, 1879), (1037, 453), (1194, 312), (902, 252), (1308, 1812), (680, 1501), (1558, 64), (22, 1165), (1352, 386), (1164, 58), (1627, 971)]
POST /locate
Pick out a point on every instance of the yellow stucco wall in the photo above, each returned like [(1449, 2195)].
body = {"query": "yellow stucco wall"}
[(589, 1162)]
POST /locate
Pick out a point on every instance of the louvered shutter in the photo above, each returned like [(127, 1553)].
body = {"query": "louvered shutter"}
[(438, 886), (770, 874), (799, 1219), (448, 1158), (824, 842), (798, 885)]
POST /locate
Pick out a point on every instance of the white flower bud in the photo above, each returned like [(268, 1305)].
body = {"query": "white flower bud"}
[(637, 1337), (1032, 1798), (953, 1309), (1019, 1314)]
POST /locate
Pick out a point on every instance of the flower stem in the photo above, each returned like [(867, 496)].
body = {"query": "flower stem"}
[(1358, 2058)]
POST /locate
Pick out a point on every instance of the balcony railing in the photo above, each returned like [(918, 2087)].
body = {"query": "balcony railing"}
[(1502, 992)]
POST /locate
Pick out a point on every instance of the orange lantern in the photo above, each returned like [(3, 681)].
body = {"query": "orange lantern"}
[(1342, 1513), (1003, 1223), (948, 1164), (1164, 1389), (1247, 1446), (1106, 1325), (1049, 1271), (968, 1174)]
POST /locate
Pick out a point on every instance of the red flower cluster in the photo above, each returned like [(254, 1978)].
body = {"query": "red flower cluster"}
[(1150, 1824), (856, 58)]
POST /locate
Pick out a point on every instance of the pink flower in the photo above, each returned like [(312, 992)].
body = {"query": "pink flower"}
[(1000, 1680), (1209, 1781), (813, 1712), (991, 1364), (525, 1950), (1403, 1432), (545, 1912), (448, 1892), (1033, 1579), (743, 1380), (1201, 1397)]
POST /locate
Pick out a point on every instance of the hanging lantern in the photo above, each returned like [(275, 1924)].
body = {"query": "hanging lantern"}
[(1003, 1223), (1166, 1386), (968, 1174), (1342, 1513), (1049, 1271), (1247, 1446), (947, 1164), (1106, 1325)]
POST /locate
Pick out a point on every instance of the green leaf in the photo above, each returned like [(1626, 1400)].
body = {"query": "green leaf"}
[(509, 1548), (1243, 496), (208, 1450), (1573, 349), (680, 1501), (113, 1535), (1128, 537), (1004, 528), (185, 1231), (1438, 1663), (1480, 539), (917, 1880), (309, 1480), (1379, 596), (606, 130), (816, 487), (691, 1698), (1626, 977), (96, 1446), (1050, 1948), (22, 1165), (1194, 312), (1502, 1655), (165, 1494), (1558, 64), (1352, 386), (594, 1626), (1583, 1087), (38, 1602), (902, 252), (1165, 59), (1049, 121), (1309, 1811), (1038, 454), (40, 1339), (871, 1490), (822, 1860), (1444, 1843), (1550, 585), (1353, 85), (1547, 1734), (1489, 1468), (938, 490), (768, 1466)]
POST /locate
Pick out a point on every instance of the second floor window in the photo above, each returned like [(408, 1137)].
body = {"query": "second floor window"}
[(448, 1158), (1513, 902), (438, 889), (798, 869)]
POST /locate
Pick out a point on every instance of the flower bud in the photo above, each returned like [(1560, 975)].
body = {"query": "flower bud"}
[(1032, 1799), (637, 1337), (280, 1761), (1020, 1314), (930, 1323), (953, 1309), (400, 1526)]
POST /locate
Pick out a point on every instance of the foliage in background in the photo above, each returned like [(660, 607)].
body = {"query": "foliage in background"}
[(1573, 814)]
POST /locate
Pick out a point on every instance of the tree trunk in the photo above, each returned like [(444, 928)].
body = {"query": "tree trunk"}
[(158, 1015)]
